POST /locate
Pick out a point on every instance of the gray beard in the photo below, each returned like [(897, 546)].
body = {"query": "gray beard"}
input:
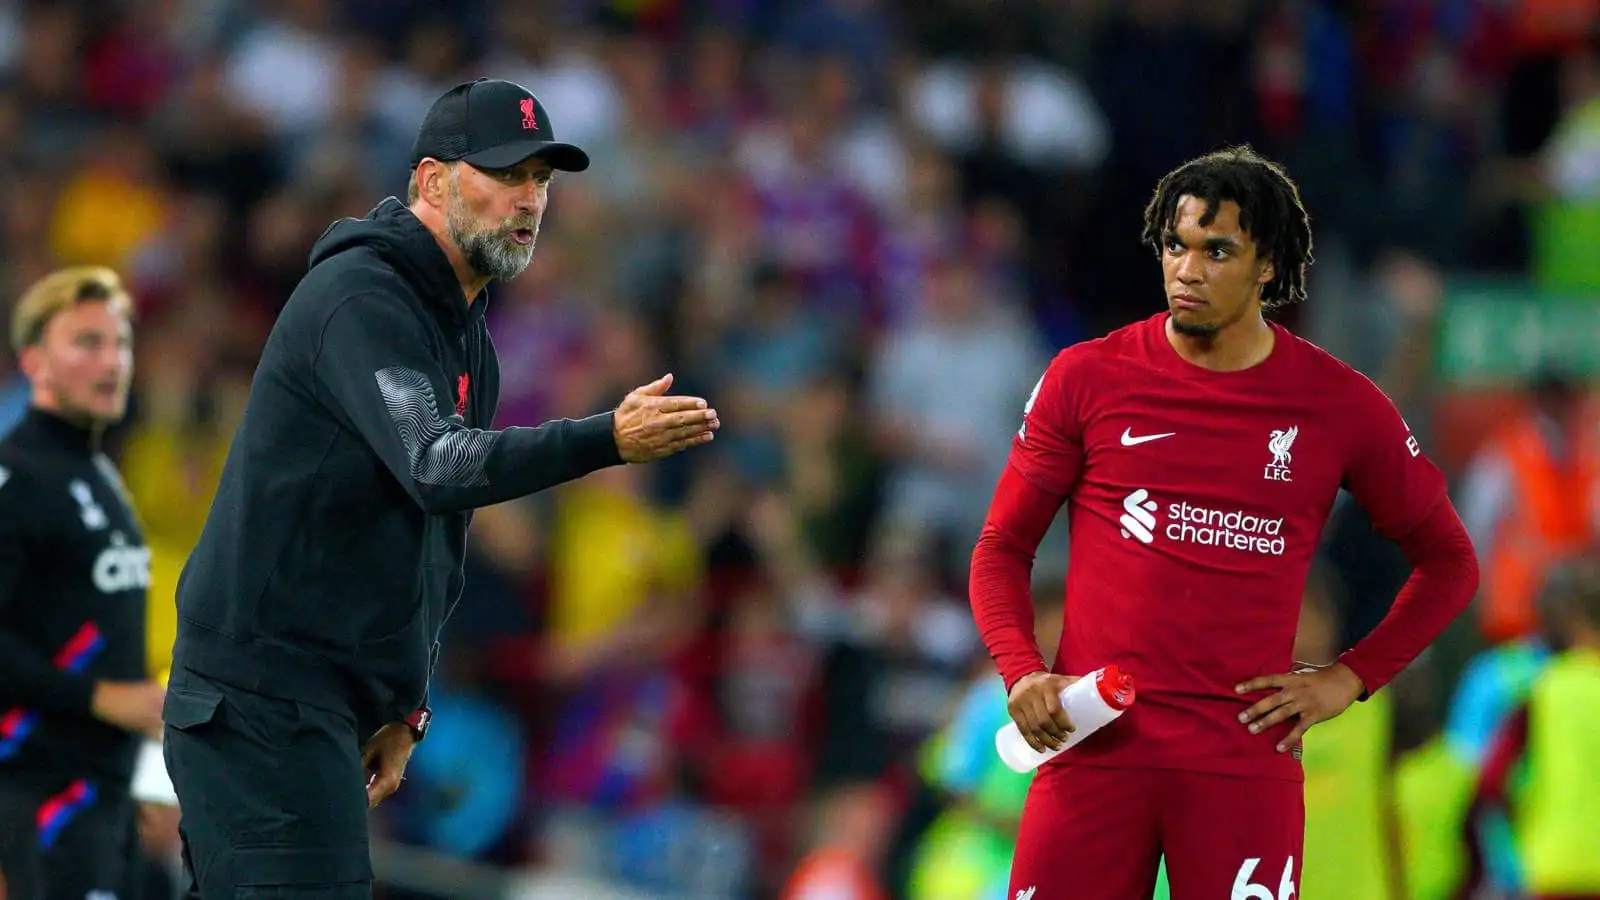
[(490, 252)]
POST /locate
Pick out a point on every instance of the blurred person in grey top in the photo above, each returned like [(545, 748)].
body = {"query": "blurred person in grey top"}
[(310, 612)]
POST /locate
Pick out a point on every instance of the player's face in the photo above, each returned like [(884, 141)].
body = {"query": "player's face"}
[(493, 215), (82, 365), (1212, 273)]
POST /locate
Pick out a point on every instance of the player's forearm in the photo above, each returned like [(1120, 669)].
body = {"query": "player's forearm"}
[(28, 679), (1443, 580), (1002, 604), (1000, 583)]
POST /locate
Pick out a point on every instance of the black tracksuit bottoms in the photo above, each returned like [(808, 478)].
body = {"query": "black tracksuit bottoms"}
[(273, 794)]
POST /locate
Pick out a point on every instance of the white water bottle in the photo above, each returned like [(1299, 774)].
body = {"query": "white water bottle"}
[(1092, 702)]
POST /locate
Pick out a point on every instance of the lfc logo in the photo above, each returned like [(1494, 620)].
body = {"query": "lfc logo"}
[(1280, 444)]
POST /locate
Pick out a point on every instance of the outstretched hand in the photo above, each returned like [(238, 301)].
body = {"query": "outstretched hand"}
[(649, 425), (1312, 694)]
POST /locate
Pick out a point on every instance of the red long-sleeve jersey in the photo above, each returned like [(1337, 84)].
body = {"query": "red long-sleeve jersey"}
[(1196, 501)]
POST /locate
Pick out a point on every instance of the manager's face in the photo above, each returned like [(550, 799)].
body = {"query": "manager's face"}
[(493, 215)]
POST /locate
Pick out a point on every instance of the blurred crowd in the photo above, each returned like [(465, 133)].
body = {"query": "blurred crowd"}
[(861, 227)]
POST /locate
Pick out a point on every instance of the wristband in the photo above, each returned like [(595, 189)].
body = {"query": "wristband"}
[(418, 722)]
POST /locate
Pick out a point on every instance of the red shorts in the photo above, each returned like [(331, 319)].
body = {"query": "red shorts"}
[(1092, 833)]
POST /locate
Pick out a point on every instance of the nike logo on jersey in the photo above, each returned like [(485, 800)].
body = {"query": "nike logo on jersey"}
[(1128, 439)]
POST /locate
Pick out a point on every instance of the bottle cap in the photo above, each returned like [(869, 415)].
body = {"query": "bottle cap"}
[(1116, 687)]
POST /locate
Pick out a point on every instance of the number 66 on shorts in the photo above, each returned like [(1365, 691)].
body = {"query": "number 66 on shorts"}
[(1245, 889), (1092, 832)]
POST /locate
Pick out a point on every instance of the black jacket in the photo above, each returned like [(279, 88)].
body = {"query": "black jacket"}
[(74, 570), (333, 551)]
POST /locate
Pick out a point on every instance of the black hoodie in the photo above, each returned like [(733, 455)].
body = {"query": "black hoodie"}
[(333, 551)]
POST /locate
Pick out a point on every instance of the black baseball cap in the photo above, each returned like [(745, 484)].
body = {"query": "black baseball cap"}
[(492, 124)]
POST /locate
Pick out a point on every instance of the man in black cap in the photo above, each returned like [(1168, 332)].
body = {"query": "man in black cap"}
[(310, 611)]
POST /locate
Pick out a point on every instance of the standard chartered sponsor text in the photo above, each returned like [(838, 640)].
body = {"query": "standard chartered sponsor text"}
[(1236, 530)]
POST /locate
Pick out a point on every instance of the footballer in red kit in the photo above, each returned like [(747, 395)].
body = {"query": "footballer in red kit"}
[(1198, 454)]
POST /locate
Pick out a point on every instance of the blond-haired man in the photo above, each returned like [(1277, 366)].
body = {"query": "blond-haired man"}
[(75, 698)]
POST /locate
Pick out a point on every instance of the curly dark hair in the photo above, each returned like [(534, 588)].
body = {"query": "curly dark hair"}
[(1270, 211)]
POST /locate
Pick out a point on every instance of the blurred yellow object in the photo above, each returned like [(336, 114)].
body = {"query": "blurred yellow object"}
[(101, 218), (1346, 759), (959, 859), (611, 553), (161, 608), (172, 479), (1432, 788), (1556, 819)]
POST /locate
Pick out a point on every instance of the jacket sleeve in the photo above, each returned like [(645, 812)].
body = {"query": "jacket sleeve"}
[(372, 363), (27, 673)]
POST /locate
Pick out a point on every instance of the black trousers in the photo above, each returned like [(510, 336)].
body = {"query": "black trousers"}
[(273, 794), (73, 840)]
